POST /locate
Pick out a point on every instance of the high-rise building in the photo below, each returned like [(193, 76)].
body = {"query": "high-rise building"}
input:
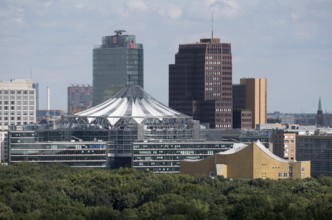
[(116, 63), (79, 98), (256, 98), (17, 103), (200, 82)]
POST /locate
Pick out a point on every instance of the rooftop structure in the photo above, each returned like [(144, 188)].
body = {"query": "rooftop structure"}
[(131, 125), (247, 162)]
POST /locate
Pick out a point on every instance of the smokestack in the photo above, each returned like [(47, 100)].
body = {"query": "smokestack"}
[(48, 100)]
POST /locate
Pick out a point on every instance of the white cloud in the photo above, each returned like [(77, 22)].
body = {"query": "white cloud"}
[(137, 4), (226, 8), (174, 11), (19, 16)]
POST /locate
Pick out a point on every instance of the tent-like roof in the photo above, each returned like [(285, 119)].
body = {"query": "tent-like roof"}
[(130, 102)]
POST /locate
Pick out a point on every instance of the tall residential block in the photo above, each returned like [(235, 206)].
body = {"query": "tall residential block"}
[(79, 98), (17, 103), (116, 63), (200, 82), (256, 98)]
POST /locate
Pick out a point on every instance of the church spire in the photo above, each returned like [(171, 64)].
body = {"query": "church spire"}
[(320, 105)]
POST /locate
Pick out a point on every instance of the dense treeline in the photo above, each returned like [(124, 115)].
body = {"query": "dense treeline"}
[(31, 191)]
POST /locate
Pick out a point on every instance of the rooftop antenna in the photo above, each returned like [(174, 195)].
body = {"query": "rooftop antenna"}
[(212, 25)]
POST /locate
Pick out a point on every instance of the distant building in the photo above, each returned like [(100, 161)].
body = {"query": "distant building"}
[(284, 144), (116, 63), (52, 113), (320, 117), (79, 98), (256, 99), (247, 162), (36, 87), (318, 149), (131, 129), (17, 103), (200, 82), (242, 119)]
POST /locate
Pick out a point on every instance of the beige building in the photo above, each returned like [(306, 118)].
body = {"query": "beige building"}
[(256, 98), (247, 162)]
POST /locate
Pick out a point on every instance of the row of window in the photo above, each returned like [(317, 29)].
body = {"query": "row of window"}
[(17, 118), (218, 57), (218, 67), (17, 108), (17, 92)]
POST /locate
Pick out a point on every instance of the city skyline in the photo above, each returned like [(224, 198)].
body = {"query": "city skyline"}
[(286, 42)]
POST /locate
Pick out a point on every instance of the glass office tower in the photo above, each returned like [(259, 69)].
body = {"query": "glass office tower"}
[(116, 63)]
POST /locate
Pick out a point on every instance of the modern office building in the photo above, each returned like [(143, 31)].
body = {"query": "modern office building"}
[(79, 98), (318, 149), (284, 144), (116, 63), (17, 103), (256, 98), (200, 82), (247, 162), (133, 127)]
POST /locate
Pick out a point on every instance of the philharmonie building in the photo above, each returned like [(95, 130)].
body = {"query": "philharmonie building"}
[(132, 129)]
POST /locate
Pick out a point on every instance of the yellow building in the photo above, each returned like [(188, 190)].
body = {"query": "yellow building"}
[(247, 162), (256, 98)]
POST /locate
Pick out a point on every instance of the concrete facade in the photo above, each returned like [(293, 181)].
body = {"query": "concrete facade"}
[(17, 103), (247, 162)]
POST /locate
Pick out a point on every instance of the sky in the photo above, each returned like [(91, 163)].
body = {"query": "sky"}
[(287, 42)]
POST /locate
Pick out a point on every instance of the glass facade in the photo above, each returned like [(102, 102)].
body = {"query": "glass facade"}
[(24, 146), (165, 156), (317, 149), (119, 61)]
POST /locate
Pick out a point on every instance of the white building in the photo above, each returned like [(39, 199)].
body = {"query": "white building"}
[(17, 103)]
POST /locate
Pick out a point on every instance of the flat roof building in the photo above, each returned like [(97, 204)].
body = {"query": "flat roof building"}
[(79, 98), (256, 99), (200, 82), (117, 62), (17, 103)]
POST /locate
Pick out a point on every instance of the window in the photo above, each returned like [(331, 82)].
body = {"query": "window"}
[(285, 175), (279, 174)]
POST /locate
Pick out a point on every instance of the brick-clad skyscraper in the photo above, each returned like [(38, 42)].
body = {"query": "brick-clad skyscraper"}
[(200, 82)]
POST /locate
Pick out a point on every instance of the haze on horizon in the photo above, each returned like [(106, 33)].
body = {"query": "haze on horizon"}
[(287, 42)]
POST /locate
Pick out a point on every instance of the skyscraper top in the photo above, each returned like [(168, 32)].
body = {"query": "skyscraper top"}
[(119, 32), (120, 40)]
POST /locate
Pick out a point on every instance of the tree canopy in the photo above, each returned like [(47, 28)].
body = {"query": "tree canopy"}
[(34, 191)]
